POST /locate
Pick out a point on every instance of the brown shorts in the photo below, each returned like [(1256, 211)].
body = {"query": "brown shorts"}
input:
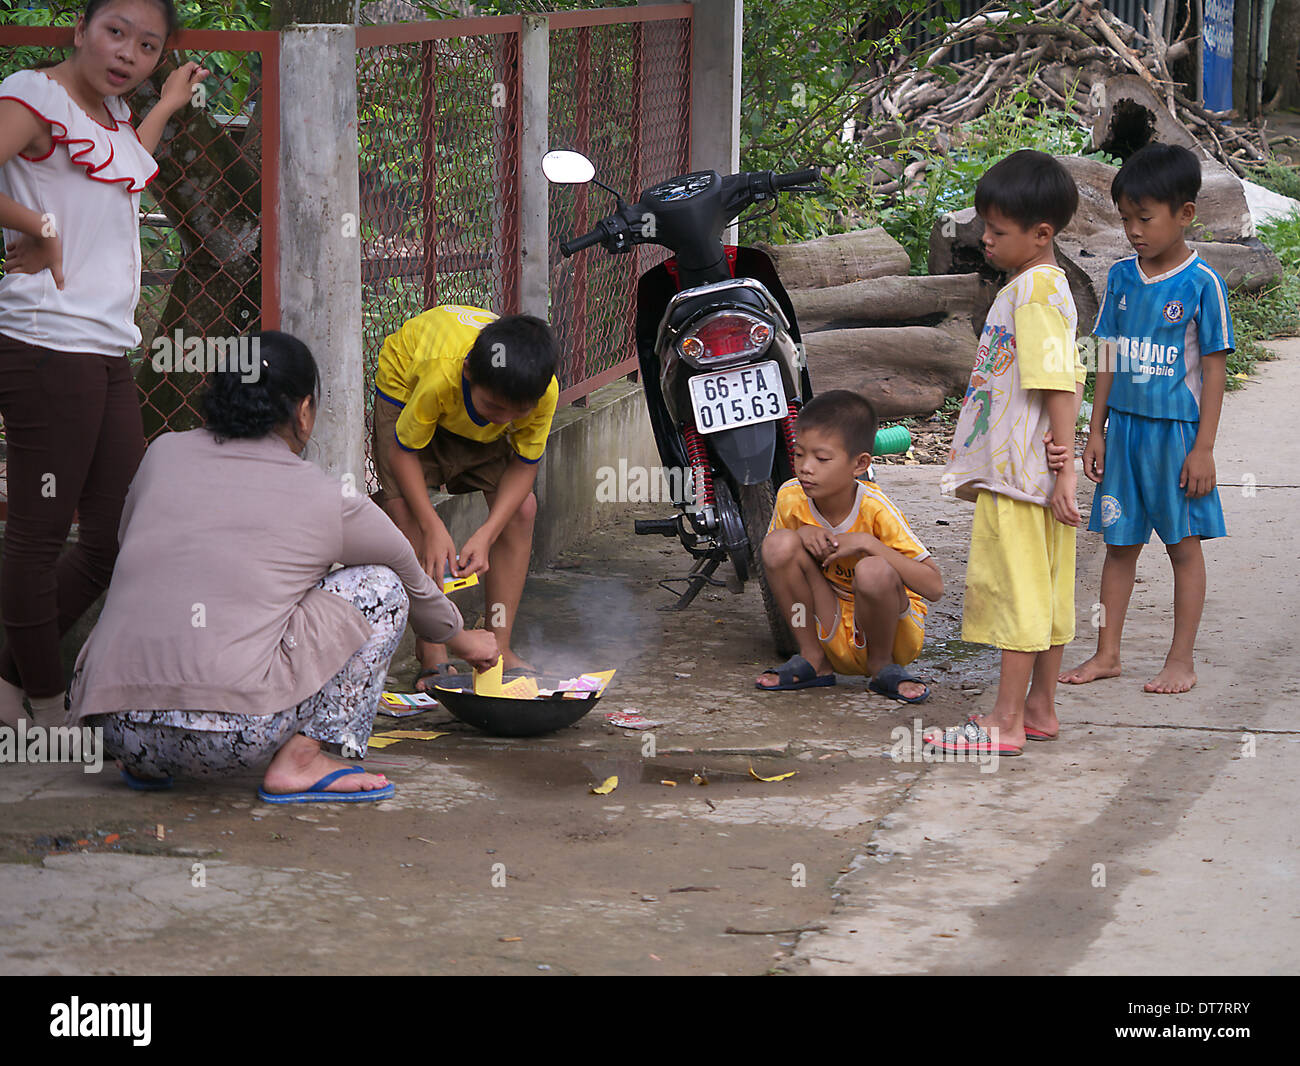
[(450, 461)]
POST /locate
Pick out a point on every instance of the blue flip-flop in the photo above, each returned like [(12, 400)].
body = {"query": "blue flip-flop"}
[(795, 673), (317, 793), (146, 784), (885, 683)]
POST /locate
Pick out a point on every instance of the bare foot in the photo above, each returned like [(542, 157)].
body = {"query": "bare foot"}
[(1175, 677), (1040, 716), (301, 763), (1093, 670)]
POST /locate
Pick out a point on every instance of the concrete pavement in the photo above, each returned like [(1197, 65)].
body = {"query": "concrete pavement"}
[(1156, 836)]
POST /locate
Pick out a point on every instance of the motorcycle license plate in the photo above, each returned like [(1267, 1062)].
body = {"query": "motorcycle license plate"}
[(738, 397)]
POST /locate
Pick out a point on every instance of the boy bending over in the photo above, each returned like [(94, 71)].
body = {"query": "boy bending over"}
[(465, 399), (842, 561)]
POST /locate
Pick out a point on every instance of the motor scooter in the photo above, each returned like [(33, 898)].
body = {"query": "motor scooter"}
[(721, 363)]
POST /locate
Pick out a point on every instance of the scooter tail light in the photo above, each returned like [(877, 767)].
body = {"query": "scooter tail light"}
[(725, 336)]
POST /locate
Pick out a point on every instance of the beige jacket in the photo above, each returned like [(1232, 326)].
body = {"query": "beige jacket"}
[(212, 606)]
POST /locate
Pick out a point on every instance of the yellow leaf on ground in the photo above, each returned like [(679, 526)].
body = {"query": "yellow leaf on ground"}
[(778, 777), (606, 787)]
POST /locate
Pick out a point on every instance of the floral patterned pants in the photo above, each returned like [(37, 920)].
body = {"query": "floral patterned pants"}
[(201, 743)]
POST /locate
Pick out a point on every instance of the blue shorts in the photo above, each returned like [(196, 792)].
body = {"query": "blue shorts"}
[(1139, 489)]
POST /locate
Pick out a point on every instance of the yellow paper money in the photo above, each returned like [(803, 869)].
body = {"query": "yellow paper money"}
[(411, 734), (488, 683), (521, 688)]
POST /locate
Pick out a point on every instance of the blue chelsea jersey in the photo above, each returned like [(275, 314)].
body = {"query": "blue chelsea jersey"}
[(1159, 328)]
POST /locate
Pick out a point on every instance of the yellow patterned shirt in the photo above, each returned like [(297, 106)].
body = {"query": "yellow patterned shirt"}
[(421, 369), (873, 512), (1026, 349)]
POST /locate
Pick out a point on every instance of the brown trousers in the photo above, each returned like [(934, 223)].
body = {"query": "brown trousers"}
[(74, 438)]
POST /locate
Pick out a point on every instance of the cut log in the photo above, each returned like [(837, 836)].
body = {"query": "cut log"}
[(1133, 114), (1222, 213), (838, 259), (904, 370), (1086, 254), (887, 301), (906, 343)]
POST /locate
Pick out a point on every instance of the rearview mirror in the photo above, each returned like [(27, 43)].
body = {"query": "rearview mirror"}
[(567, 168)]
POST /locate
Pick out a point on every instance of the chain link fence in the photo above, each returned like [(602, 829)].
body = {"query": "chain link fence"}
[(620, 94), (439, 118)]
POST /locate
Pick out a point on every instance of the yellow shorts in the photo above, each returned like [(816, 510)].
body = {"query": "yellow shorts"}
[(847, 649), (1019, 578)]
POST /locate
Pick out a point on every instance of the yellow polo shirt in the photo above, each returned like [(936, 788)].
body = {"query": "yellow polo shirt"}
[(421, 369)]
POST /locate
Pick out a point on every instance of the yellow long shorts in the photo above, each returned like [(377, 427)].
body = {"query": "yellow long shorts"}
[(1020, 576), (848, 654)]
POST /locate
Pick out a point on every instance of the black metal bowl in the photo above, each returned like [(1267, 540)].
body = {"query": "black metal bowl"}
[(501, 716)]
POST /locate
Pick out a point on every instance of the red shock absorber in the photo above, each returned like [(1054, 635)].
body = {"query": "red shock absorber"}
[(788, 424), (701, 474)]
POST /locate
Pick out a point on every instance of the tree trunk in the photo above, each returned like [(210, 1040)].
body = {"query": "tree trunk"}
[(902, 370), (903, 342), (211, 190), (1281, 86), (308, 12)]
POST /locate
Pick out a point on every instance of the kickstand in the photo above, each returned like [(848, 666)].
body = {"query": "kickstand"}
[(701, 574)]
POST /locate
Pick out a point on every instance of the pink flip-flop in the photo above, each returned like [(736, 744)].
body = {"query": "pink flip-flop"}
[(1030, 732), (971, 739)]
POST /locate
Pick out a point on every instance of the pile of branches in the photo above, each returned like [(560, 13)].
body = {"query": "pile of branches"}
[(1065, 61)]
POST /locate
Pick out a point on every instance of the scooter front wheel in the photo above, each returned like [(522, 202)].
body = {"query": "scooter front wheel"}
[(756, 503)]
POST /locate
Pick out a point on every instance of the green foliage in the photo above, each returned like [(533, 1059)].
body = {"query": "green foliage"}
[(1272, 312), (807, 66), (1011, 124), (1282, 177)]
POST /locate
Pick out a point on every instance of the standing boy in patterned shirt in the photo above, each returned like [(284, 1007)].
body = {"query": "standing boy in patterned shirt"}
[(1027, 381), (1164, 334)]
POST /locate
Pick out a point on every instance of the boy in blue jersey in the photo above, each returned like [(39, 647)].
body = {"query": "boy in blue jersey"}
[(1163, 335)]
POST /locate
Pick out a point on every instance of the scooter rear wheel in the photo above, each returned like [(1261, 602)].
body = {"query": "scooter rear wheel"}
[(756, 503)]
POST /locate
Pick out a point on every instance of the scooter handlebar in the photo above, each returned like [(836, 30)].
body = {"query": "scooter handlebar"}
[(568, 248), (798, 177)]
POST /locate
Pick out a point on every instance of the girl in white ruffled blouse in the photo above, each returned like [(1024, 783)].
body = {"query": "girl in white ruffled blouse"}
[(71, 171)]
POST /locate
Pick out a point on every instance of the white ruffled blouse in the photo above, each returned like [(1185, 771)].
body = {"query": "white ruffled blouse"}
[(90, 182)]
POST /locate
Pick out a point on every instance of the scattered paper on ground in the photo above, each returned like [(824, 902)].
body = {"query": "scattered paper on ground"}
[(630, 719), (382, 740), (409, 699)]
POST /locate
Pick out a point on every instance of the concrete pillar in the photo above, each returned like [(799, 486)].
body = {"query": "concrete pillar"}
[(715, 87), (534, 199), (320, 233)]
